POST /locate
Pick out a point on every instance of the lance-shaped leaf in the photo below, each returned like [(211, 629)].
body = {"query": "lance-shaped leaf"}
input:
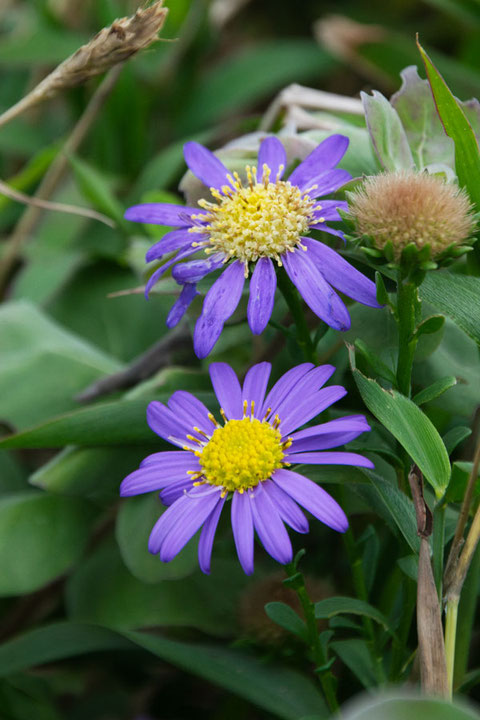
[(386, 132)]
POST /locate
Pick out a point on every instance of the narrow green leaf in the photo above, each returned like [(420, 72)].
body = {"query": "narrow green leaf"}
[(377, 365), (467, 155), (458, 296), (386, 132), (285, 616), (410, 426), (430, 325), (455, 436), (434, 390), (393, 504), (356, 656), (332, 606), (96, 189)]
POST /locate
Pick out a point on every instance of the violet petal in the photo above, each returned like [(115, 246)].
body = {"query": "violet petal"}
[(271, 153), (227, 389), (286, 507), (270, 527), (300, 410), (242, 526), (162, 214), (263, 284), (181, 305), (207, 536), (324, 157), (255, 385), (205, 165)]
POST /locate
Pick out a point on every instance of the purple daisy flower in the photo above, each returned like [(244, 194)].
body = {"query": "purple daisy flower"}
[(246, 227), (247, 459)]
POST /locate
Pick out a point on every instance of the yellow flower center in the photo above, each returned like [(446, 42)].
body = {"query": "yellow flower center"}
[(242, 453), (260, 219)]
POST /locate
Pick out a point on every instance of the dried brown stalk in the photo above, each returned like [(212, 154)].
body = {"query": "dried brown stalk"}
[(111, 46)]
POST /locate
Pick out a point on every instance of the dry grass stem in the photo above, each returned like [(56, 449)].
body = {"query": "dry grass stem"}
[(111, 46)]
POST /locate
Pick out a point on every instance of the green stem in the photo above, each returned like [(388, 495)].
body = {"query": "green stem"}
[(466, 616), (295, 306), (438, 546), (325, 676), (408, 306), (450, 637)]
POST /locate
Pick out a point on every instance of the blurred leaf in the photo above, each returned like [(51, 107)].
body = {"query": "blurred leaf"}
[(24, 698), (103, 591), (56, 642), (43, 365), (40, 537), (461, 472), (277, 689), (410, 426), (458, 296), (31, 173), (465, 11), (455, 436), (467, 154), (285, 616), (416, 109), (95, 188), (409, 708), (44, 46), (249, 76), (12, 476), (134, 524), (356, 656), (434, 390), (332, 606), (386, 132), (409, 565)]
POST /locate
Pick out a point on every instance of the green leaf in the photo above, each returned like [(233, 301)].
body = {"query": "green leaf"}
[(458, 296), (43, 365), (461, 472), (277, 689), (455, 436), (56, 642), (356, 656), (41, 536), (332, 606), (430, 325), (434, 390), (409, 708), (467, 155), (95, 188), (386, 132), (135, 521), (410, 426), (285, 616), (374, 361)]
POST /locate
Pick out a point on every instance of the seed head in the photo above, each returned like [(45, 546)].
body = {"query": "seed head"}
[(407, 207)]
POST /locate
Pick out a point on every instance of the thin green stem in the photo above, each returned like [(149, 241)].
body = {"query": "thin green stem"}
[(408, 306), (450, 637), (438, 546), (325, 676), (294, 303), (466, 616)]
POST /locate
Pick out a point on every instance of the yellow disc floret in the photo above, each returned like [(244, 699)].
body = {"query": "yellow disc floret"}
[(259, 219), (241, 454)]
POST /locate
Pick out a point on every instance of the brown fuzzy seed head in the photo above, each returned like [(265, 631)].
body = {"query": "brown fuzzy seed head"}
[(408, 207)]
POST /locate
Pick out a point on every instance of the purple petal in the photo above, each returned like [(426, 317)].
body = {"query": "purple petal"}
[(330, 458), (171, 241), (284, 386), (180, 306), (154, 277), (176, 490), (227, 389), (154, 475), (263, 284), (324, 157), (339, 273), (331, 231), (329, 434), (328, 210), (327, 182), (220, 302), (270, 528), (316, 292), (300, 411), (286, 507), (254, 387), (312, 497), (205, 544), (162, 214), (166, 424), (174, 533), (205, 165), (308, 384), (272, 153), (195, 270), (242, 526), (190, 410)]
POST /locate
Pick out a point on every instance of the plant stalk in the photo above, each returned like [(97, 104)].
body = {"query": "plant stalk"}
[(294, 303)]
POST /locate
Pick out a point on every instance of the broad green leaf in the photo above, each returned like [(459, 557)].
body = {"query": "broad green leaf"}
[(434, 390), (458, 296), (41, 536), (467, 154), (103, 591), (411, 427), (285, 616), (386, 132), (250, 75), (134, 524), (409, 708), (356, 656), (332, 606), (54, 642), (283, 692), (416, 108), (43, 366)]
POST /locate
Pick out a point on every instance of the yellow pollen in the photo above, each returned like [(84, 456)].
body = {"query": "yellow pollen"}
[(242, 454), (259, 219)]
